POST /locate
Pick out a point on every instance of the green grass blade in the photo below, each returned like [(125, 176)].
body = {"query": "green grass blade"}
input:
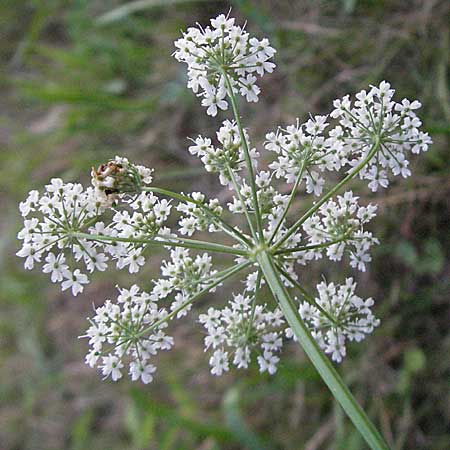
[(123, 11)]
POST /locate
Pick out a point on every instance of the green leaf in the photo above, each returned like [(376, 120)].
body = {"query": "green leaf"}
[(81, 433), (406, 252), (130, 8), (236, 421), (433, 259), (414, 360), (171, 416)]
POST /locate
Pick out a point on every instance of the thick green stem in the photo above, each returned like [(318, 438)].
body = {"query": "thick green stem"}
[(330, 193), (248, 160), (176, 242), (326, 370), (230, 230)]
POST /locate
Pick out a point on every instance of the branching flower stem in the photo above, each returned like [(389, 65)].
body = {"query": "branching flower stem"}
[(241, 199), (373, 151), (288, 204), (176, 242), (230, 230), (248, 161), (304, 248), (236, 269)]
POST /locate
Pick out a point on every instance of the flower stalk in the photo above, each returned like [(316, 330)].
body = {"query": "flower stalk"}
[(230, 230), (352, 174), (248, 160), (322, 364), (161, 242)]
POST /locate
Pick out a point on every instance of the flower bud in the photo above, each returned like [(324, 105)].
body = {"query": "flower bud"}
[(119, 176)]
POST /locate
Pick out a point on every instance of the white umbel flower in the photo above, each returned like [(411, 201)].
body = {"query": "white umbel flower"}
[(129, 332), (343, 316), (71, 231), (220, 53), (374, 115), (51, 222), (242, 329)]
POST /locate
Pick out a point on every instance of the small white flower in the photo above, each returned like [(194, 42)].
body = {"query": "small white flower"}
[(268, 362), (134, 260), (219, 362), (74, 280), (214, 101), (56, 266), (249, 90), (142, 372), (31, 254), (111, 366)]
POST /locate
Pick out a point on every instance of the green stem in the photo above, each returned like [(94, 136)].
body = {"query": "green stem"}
[(304, 293), (285, 251), (330, 193), (242, 200), (184, 243), (184, 198), (326, 370), (248, 160), (289, 203), (237, 268)]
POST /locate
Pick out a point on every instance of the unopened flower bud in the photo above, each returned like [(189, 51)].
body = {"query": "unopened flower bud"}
[(117, 177)]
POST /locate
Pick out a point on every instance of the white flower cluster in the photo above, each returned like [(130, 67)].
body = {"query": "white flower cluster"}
[(184, 275), (374, 115), (63, 229), (228, 156), (239, 329), (348, 317), (341, 221), (219, 53), (51, 221), (304, 151), (199, 215), (308, 150), (129, 331), (142, 222)]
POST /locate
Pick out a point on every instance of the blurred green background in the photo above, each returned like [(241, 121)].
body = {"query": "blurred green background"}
[(84, 80)]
